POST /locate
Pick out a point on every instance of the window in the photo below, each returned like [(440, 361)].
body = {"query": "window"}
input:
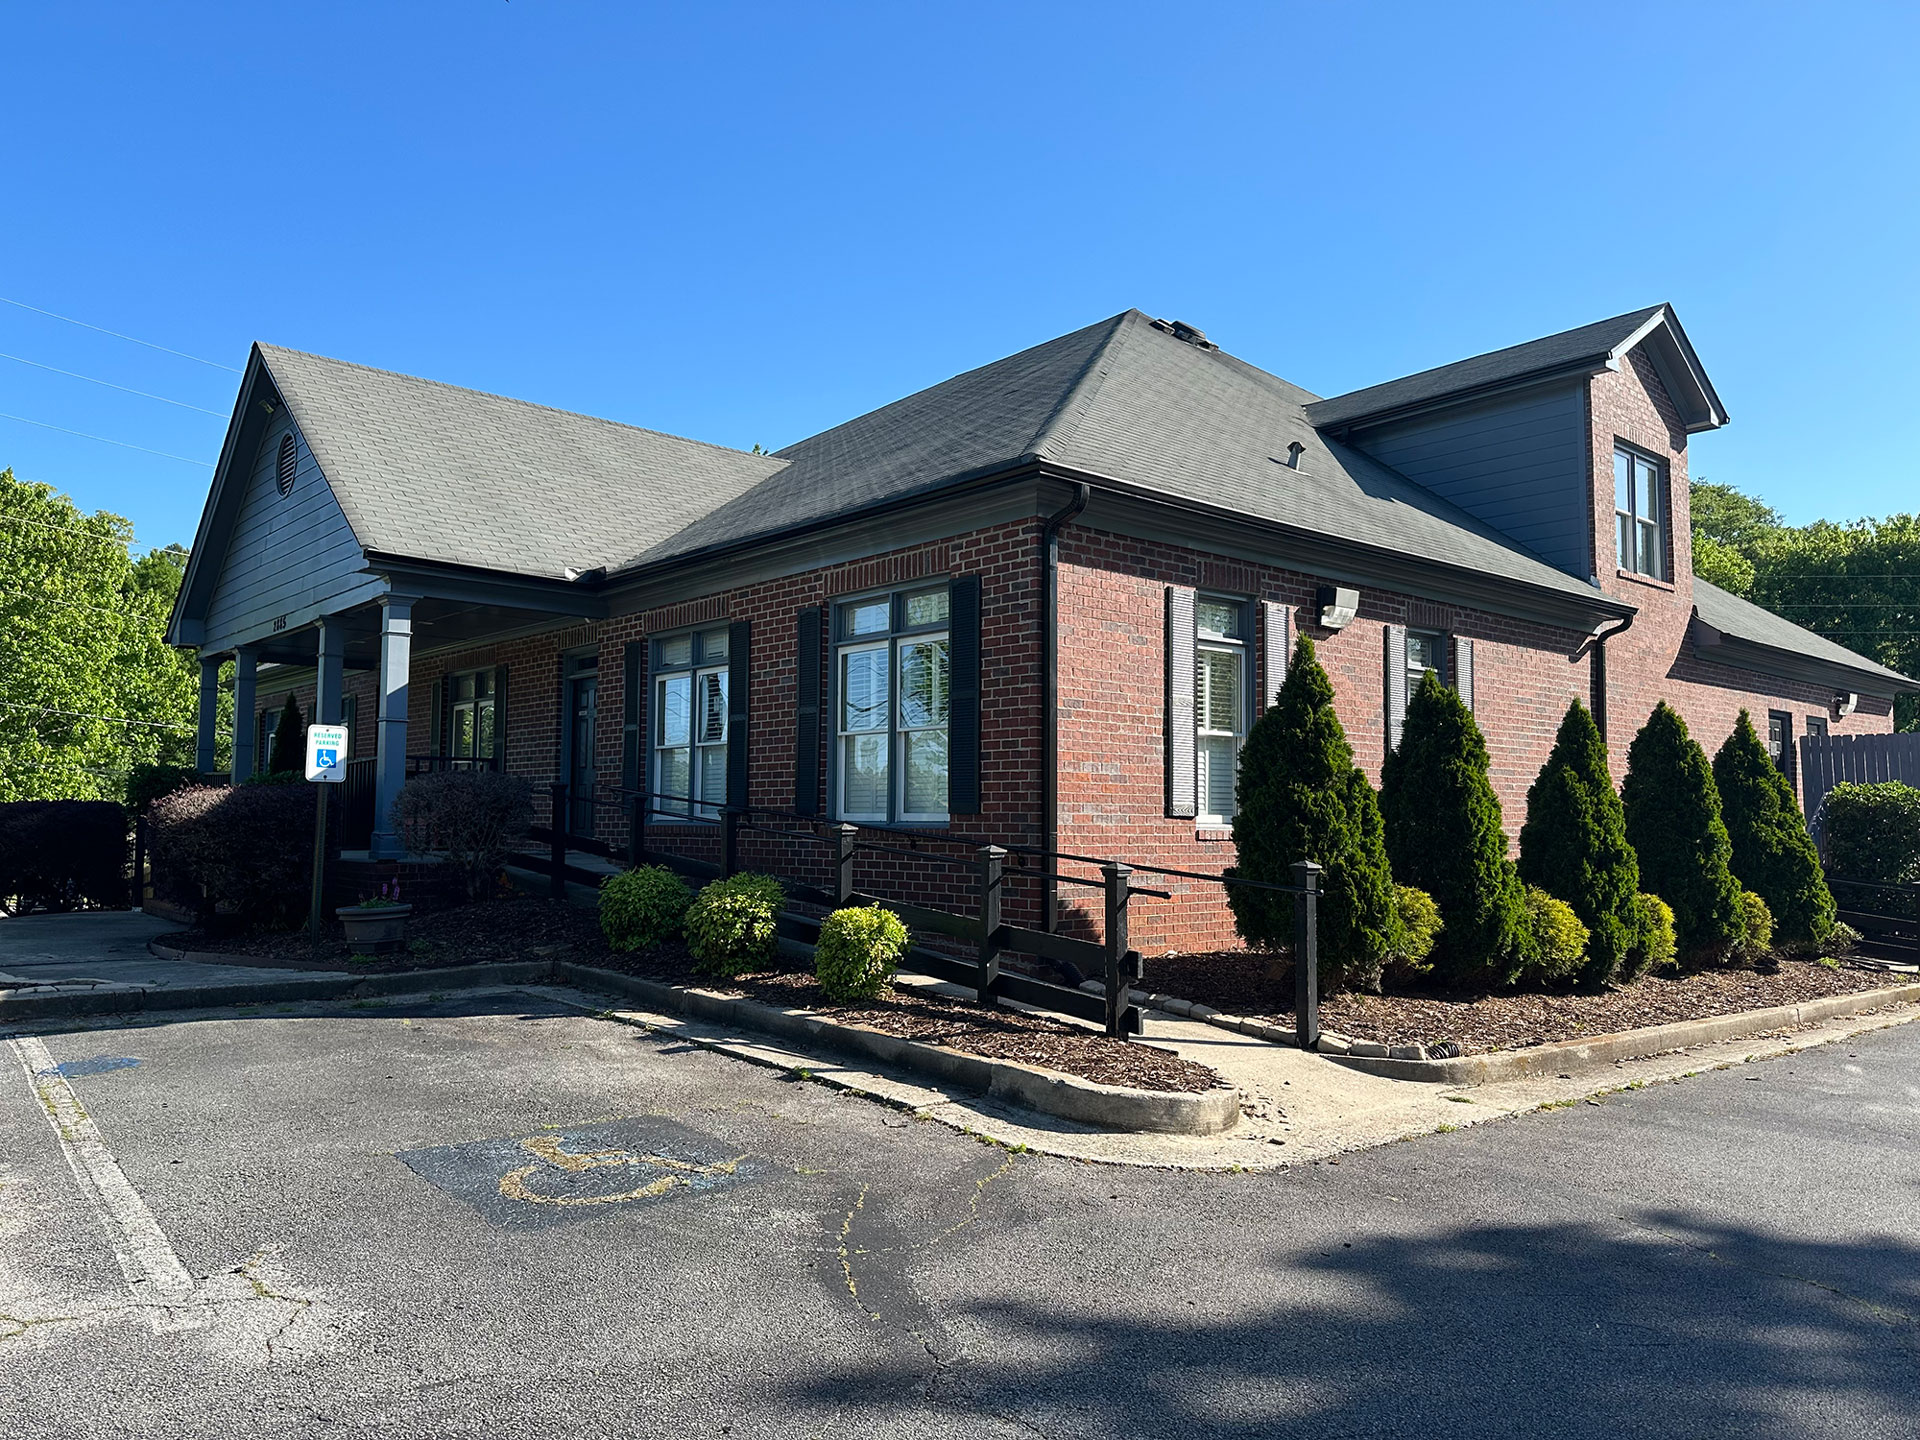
[(892, 678), (1816, 724), (1424, 651), (1780, 739), (350, 717), (690, 723), (470, 717), (1640, 512), (264, 726), (1219, 704)]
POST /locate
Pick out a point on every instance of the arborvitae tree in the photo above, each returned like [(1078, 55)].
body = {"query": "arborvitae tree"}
[(1301, 797), (289, 741), (1444, 837), (1773, 855), (1574, 847), (1675, 828)]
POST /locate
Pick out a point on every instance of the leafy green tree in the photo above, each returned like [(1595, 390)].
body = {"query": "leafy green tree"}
[(1301, 797), (1444, 836), (88, 686), (1726, 516), (1676, 830), (1574, 847), (1773, 855), (289, 741)]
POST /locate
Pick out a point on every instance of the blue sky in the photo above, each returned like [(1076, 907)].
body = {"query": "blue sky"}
[(745, 223)]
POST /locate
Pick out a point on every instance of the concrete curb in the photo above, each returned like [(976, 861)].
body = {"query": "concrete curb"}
[(133, 1000), (250, 962), (1110, 1107)]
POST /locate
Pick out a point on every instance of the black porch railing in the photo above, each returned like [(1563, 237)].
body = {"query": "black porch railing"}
[(1885, 912)]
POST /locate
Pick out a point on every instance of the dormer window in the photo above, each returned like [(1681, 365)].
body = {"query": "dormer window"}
[(1640, 512)]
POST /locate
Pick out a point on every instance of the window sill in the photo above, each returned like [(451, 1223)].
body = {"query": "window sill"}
[(1637, 578), (1212, 834)]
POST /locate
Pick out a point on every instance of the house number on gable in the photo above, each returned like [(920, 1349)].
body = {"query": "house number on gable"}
[(279, 622)]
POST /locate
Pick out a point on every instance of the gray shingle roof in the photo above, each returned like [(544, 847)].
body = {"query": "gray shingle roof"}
[(435, 472), (1744, 620), (1570, 348)]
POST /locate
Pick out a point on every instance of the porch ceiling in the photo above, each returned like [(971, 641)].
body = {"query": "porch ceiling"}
[(437, 624)]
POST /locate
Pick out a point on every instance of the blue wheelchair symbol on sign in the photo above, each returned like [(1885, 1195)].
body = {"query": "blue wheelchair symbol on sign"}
[(325, 757)]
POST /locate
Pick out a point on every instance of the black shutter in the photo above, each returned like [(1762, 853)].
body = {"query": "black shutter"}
[(442, 715), (500, 717), (1182, 657), (1396, 683), (963, 708), (630, 715), (738, 643), (806, 746)]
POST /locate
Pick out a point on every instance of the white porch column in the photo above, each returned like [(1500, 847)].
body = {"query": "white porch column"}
[(243, 721), (207, 727), (390, 768), (329, 676)]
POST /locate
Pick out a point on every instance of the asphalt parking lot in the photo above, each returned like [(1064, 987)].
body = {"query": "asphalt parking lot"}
[(489, 1214)]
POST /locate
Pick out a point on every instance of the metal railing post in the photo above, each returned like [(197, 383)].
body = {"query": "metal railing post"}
[(1306, 954), (993, 863), (843, 838), (636, 831), (557, 886), (729, 840), (1123, 963), (140, 861)]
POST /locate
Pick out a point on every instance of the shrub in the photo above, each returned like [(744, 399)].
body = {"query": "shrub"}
[(1655, 948), (1758, 941), (62, 855), (1674, 825), (1574, 846), (1557, 941), (146, 782), (1773, 855), (642, 908), (1873, 832), (289, 753), (859, 952), (1301, 797), (473, 817), (730, 925), (1420, 926), (247, 849), (1444, 835)]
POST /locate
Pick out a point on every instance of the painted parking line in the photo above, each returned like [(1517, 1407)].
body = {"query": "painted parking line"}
[(160, 1284), (533, 1181)]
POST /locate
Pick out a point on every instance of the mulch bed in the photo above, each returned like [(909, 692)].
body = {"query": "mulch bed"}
[(531, 928), (1235, 981)]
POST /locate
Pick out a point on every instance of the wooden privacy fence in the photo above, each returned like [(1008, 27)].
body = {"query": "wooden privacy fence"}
[(979, 927), (1830, 760)]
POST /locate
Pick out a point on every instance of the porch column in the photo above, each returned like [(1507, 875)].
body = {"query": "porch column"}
[(390, 768), (330, 649), (243, 721), (207, 726)]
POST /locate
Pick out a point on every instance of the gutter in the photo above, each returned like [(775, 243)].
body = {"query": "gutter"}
[(1597, 682), (1050, 680)]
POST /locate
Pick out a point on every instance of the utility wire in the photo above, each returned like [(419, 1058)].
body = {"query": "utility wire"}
[(128, 389), (64, 529), (84, 715), (164, 455), (118, 336), (125, 614)]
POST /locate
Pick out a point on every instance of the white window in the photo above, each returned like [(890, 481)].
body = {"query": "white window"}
[(1219, 705), (690, 723), (892, 676), (1640, 512), (1424, 649)]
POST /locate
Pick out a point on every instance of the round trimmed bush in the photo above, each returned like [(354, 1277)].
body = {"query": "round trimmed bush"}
[(1558, 941), (1759, 937), (643, 908), (859, 952), (1873, 831), (730, 925), (1655, 948), (1420, 926)]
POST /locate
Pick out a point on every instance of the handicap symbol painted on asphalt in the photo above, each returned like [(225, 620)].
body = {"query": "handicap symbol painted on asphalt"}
[(525, 1182)]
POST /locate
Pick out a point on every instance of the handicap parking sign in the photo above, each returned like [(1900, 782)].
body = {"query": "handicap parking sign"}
[(325, 745)]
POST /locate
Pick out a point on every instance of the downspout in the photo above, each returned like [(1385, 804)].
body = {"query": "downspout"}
[(1598, 680), (1050, 680)]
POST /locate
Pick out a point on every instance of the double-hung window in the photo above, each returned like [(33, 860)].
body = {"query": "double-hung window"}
[(1424, 651), (470, 717), (1640, 513), (690, 723), (892, 676), (1219, 704)]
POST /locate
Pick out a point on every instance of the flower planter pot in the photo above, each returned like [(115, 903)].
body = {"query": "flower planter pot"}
[(375, 929)]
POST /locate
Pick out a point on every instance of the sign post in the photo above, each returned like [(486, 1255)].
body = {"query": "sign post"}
[(326, 765)]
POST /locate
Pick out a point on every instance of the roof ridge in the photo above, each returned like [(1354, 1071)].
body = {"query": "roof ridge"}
[(511, 400), (1054, 432)]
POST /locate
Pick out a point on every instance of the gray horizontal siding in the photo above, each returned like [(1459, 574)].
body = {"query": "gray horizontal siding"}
[(287, 553), (1518, 462)]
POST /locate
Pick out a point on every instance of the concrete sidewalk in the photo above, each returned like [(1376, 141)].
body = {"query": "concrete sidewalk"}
[(109, 949)]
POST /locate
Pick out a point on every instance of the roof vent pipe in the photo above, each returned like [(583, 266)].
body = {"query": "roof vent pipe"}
[(1294, 449)]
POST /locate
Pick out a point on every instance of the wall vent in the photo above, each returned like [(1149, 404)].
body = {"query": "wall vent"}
[(289, 462)]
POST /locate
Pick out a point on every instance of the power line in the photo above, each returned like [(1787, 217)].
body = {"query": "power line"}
[(128, 389), (125, 614), (164, 455), (118, 336), (64, 529), (84, 715)]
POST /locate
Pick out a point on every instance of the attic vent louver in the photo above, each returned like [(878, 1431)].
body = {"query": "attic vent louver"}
[(1180, 330), (289, 458)]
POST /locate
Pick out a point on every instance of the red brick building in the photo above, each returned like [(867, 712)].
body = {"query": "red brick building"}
[(1036, 605)]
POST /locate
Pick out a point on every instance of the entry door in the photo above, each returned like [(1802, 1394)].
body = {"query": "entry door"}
[(583, 703)]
